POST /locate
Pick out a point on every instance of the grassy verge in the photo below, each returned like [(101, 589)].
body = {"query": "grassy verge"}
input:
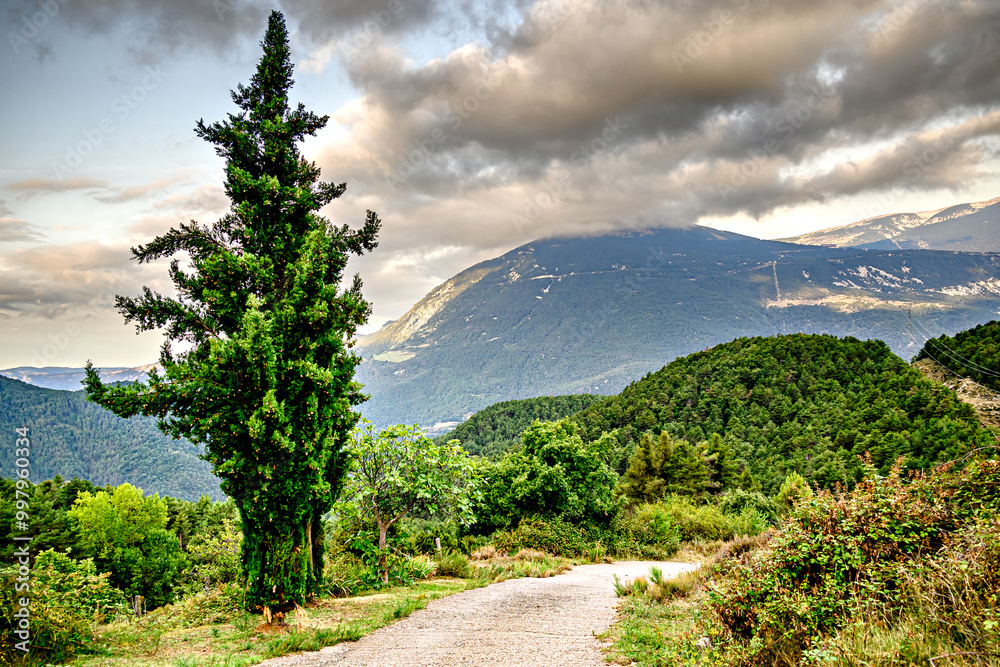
[(210, 630)]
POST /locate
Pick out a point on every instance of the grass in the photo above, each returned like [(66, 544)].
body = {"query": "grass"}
[(169, 637), (209, 630)]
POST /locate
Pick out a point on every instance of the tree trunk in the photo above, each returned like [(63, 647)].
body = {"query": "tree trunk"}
[(383, 529), (276, 563)]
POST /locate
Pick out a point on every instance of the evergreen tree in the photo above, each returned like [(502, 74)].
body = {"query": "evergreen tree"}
[(266, 383)]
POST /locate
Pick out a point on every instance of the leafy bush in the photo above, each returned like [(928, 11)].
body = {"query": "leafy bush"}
[(67, 598), (553, 475), (553, 536), (697, 522), (214, 559), (454, 564), (647, 531), (884, 547), (417, 536), (736, 500)]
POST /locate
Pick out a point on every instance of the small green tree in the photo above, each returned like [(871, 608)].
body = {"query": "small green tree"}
[(126, 533), (554, 474), (266, 380), (398, 472), (665, 465), (793, 489)]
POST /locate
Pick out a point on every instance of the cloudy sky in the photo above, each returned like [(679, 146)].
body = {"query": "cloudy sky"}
[(473, 127)]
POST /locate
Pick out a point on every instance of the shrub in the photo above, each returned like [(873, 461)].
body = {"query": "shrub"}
[(735, 501), (647, 531), (885, 546), (697, 522), (552, 536), (454, 564), (67, 598)]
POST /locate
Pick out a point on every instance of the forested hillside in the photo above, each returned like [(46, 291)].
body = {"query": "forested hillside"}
[(74, 438), (494, 430), (799, 403), (974, 353)]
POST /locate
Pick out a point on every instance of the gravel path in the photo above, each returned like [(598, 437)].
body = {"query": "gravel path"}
[(516, 622)]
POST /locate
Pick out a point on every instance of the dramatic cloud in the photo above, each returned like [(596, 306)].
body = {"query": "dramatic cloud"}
[(593, 115)]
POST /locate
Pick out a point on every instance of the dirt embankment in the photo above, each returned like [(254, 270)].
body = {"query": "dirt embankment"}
[(985, 401)]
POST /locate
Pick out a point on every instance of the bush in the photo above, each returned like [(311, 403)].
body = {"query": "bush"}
[(735, 501), (647, 531), (454, 564), (697, 522), (214, 559), (417, 536), (885, 547), (552, 536), (67, 598)]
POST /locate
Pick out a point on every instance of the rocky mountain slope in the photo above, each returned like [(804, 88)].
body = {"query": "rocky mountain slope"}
[(564, 316)]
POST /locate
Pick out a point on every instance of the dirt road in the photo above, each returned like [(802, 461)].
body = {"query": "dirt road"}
[(516, 622)]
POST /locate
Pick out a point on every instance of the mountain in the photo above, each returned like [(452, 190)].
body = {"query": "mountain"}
[(74, 438), (589, 315), (68, 379), (809, 404), (971, 227)]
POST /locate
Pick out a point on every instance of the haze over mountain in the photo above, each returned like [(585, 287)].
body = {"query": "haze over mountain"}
[(564, 316), (973, 227), (68, 379)]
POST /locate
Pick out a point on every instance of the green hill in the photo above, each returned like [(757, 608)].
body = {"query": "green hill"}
[(494, 430), (805, 403), (74, 438), (974, 353)]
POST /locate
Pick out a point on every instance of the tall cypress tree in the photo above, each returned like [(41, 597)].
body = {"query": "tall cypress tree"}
[(265, 381)]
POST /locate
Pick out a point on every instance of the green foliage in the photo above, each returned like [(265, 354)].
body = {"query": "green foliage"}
[(67, 599), (126, 533), (798, 403), (454, 564), (795, 488), (265, 383), (554, 474), (497, 429), (668, 466), (398, 471), (736, 501), (214, 558), (974, 353), (80, 439), (881, 551), (551, 535), (647, 531)]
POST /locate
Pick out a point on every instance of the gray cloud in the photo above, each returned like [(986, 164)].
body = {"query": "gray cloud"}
[(215, 26), (12, 230), (723, 107)]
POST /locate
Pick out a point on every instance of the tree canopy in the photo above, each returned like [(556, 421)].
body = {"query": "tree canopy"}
[(974, 353), (265, 381)]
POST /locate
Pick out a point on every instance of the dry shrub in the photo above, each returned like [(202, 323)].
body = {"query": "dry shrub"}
[(485, 553)]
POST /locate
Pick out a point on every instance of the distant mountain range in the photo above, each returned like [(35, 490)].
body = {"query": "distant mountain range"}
[(69, 379), (564, 316), (971, 227)]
